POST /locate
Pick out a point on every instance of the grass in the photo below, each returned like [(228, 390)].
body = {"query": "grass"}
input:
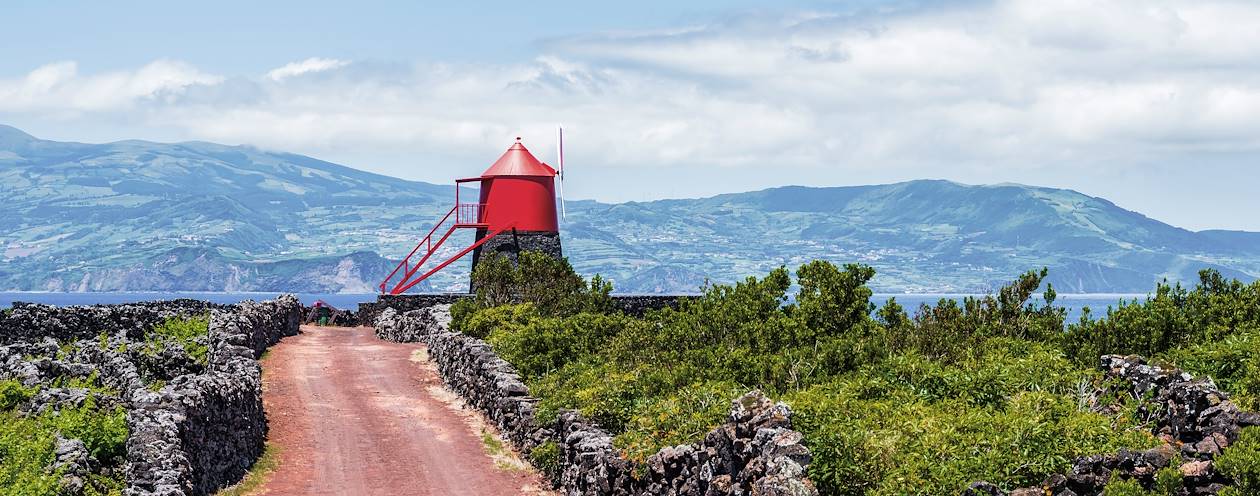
[(258, 474), (504, 458), (494, 447)]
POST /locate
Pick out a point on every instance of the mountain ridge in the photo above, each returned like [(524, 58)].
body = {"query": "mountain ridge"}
[(113, 216)]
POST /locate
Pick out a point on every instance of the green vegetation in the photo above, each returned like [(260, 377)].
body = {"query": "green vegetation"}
[(190, 333), (258, 474), (1242, 463), (994, 388), (550, 285), (28, 443), (546, 457), (1212, 329)]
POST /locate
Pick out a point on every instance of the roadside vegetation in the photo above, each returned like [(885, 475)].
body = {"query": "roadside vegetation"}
[(890, 401), (81, 408), (189, 333), (28, 441)]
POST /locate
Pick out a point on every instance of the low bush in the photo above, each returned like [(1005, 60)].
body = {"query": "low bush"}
[(992, 388), (190, 333), (678, 418), (537, 345), (28, 446), (547, 283), (1233, 363), (546, 457), (1241, 462), (1171, 318), (13, 393)]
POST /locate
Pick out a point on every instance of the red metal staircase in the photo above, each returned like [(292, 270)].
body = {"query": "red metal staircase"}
[(466, 216)]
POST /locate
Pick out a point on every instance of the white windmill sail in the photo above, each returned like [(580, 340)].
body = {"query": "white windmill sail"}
[(560, 161)]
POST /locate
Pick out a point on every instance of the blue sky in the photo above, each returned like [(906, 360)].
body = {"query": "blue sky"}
[(1152, 104)]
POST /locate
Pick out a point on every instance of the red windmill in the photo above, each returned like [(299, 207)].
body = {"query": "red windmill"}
[(517, 210)]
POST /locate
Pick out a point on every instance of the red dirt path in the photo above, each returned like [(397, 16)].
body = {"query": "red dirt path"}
[(352, 414)]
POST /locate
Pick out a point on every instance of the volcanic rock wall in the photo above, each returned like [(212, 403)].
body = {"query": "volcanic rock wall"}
[(755, 452), (1195, 420), (368, 312), (202, 432), (31, 322), (203, 426)]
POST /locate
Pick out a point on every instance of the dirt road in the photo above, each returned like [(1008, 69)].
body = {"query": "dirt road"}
[(352, 414)]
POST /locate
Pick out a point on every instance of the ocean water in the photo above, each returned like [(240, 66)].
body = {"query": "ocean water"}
[(1098, 303), (1075, 303), (342, 301)]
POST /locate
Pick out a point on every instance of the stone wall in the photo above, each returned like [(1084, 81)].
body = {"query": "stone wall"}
[(33, 321), (1194, 419), (405, 303), (754, 452), (202, 432), (413, 325)]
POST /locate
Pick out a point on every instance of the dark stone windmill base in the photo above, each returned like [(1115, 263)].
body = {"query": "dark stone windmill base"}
[(511, 243)]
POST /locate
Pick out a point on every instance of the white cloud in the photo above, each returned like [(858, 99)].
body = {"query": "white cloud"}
[(1022, 90), (59, 87), (313, 64)]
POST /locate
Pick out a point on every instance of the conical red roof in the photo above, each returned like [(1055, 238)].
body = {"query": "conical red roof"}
[(517, 161)]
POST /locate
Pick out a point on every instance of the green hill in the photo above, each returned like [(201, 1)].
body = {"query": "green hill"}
[(136, 215)]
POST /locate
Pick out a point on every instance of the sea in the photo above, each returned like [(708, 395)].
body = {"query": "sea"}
[(1075, 303)]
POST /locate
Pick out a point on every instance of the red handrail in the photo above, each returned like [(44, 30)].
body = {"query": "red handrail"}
[(400, 288), (466, 215), (469, 213), (424, 242)]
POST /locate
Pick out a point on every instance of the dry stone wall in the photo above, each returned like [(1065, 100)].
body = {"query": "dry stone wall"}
[(369, 311), (1194, 418), (202, 432), (28, 322), (754, 453), (199, 431)]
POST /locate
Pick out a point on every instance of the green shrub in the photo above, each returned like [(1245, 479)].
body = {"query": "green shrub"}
[(948, 330), (598, 389), (541, 345), (507, 318), (1173, 317), (899, 445), (104, 432), (1233, 363), (1124, 487), (13, 393), (546, 458), (1241, 462), (1168, 482), (679, 418), (26, 447), (549, 283), (190, 333)]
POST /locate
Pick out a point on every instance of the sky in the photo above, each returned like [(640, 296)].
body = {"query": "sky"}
[(1152, 104)]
